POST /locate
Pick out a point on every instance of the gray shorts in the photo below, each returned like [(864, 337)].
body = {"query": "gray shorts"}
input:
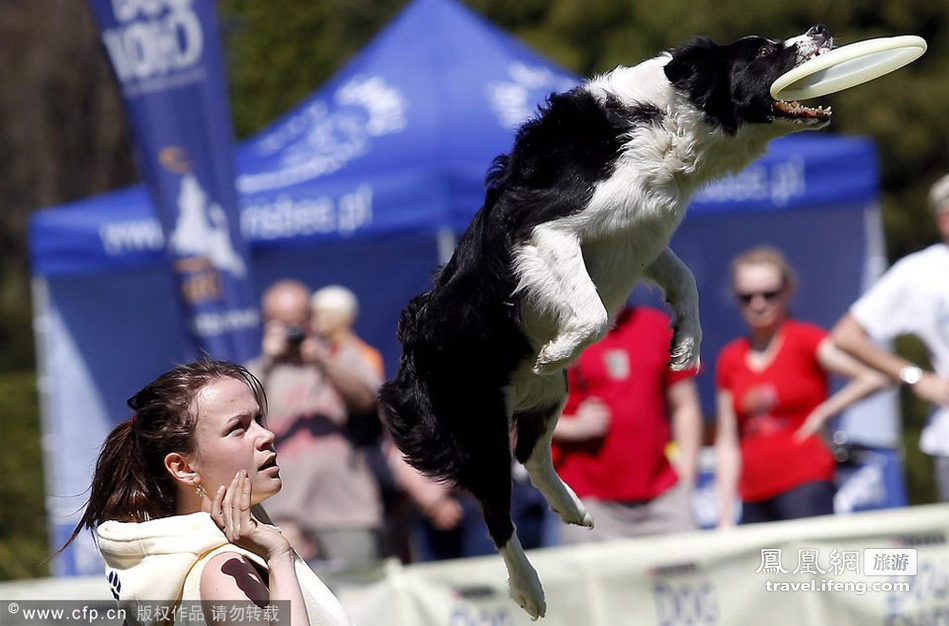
[(669, 512)]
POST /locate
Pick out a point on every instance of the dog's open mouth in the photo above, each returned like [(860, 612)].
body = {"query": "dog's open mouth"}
[(796, 111)]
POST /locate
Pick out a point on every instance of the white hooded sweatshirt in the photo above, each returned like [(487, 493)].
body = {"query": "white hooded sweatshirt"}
[(161, 560)]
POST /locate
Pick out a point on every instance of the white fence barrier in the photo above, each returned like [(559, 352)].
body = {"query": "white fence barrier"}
[(887, 567), (809, 573)]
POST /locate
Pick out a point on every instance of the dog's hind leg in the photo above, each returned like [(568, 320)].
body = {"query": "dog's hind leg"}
[(678, 285), (487, 475), (534, 433), (554, 280)]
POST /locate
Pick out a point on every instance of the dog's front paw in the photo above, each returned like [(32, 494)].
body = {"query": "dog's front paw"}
[(550, 361), (684, 352)]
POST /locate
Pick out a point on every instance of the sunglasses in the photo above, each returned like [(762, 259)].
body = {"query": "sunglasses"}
[(746, 298)]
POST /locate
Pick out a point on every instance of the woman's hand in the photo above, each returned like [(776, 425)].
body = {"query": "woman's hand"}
[(230, 510), (812, 425)]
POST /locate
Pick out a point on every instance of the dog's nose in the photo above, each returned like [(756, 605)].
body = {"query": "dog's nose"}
[(819, 32)]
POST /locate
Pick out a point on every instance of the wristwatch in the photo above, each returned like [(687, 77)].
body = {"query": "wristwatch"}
[(911, 374)]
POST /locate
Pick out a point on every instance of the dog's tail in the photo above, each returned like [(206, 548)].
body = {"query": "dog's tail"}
[(426, 441)]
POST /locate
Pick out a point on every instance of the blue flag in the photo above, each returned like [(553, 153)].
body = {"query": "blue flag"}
[(167, 58)]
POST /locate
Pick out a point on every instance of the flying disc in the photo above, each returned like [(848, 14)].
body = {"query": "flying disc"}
[(847, 66)]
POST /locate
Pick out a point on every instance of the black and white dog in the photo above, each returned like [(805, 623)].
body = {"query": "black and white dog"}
[(580, 210)]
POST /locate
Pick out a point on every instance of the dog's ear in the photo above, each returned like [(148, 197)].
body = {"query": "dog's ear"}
[(697, 57), (699, 69)]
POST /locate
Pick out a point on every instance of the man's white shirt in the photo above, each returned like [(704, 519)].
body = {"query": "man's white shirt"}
[(912, 297)]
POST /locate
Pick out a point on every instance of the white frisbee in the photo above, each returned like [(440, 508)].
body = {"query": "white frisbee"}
[(847, 66)]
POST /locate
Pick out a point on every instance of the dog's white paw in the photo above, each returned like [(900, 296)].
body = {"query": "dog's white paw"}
[(560, 351), (583, 520), (525, 585), (548, 369), (550, 362), (587, 520), (527, 591), (576, 514), (684, 353)]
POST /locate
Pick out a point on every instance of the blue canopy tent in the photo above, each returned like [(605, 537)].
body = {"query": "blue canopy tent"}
[(366, 184)]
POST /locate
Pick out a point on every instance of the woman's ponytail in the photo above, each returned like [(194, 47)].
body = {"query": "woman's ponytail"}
[(117, 481)]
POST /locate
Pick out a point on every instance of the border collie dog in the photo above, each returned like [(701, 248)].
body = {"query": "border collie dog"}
[(581, 209)]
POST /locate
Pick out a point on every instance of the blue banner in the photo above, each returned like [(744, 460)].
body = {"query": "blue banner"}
[(166, 56)]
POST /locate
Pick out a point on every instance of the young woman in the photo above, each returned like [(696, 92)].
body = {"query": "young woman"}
[(172, 496), (772, 400)]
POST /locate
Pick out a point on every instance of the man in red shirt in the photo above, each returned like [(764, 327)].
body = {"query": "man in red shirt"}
[(624, 409)]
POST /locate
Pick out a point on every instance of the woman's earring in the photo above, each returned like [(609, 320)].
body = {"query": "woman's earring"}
[(198, 489)]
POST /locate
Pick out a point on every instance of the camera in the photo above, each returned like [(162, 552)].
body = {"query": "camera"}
[(295, 335)]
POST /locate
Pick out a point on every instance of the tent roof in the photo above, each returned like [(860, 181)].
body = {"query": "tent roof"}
[(399, 140)]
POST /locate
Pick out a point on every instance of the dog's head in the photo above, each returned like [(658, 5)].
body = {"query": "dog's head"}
[(731, 83)]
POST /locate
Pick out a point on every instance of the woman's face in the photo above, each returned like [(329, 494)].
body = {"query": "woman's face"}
[(229, 437), (761, 294)]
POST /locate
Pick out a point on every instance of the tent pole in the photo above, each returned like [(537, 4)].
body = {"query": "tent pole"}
[(446, 245), (875, 262), (39, 292)]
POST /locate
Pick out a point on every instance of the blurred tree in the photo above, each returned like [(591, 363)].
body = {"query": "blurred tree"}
[(281, 50), (23, 536), (64, 138)]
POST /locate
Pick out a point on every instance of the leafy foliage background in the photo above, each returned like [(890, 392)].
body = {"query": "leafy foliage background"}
[(63, 134)]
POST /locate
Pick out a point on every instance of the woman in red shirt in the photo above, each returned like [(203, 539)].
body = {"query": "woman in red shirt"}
[(772, 400)]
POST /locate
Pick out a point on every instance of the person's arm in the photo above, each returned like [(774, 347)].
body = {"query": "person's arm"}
[(686, 417), (591, 421), (357, 393), (863, 382), (435, 499), (728, 458), (849, 335), (230, 576)]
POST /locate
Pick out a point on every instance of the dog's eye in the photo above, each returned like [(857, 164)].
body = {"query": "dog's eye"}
[(765, 51)]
